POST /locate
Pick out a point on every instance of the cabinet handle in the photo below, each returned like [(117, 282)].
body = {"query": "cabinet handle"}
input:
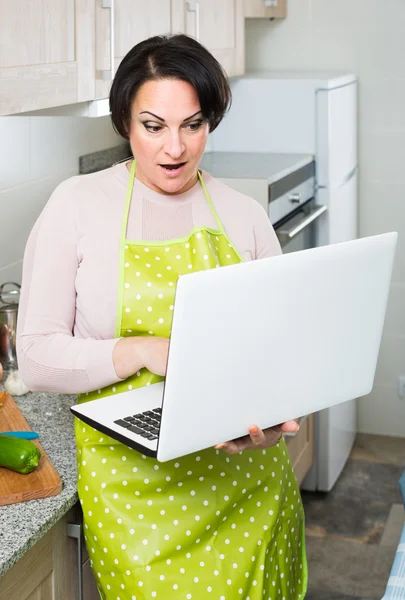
[(109, 74), (300, 423), (195, 7), (270, 3), (74, 530)]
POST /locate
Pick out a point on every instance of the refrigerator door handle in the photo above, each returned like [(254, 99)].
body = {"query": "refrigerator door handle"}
[(343, 182), (349, 176)]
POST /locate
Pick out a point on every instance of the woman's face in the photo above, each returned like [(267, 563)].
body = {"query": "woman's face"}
[(167, 135)]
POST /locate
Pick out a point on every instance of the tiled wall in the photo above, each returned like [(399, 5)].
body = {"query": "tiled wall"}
[(36, 154), (365, 37)]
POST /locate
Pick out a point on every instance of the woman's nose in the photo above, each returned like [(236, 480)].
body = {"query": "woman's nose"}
[(175, 145)]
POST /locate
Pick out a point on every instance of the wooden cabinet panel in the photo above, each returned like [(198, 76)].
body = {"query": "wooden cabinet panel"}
[(220, 27), (90, 591), (27, 37), (51, 565), (257, 9), (134, 21), (302, 448), (47, 53), (43, 591), (38, 562)]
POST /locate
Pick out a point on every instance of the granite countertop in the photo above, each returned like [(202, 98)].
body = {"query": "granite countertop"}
[(23, 524), (253, 165)]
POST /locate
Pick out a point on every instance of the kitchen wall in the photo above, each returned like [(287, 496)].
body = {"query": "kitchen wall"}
[(365, 37), (36, 154)]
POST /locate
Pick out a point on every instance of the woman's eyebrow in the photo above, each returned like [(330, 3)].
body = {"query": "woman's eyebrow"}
[(160, 118)]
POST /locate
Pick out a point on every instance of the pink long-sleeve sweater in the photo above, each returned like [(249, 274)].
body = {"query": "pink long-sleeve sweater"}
[(66, 323)]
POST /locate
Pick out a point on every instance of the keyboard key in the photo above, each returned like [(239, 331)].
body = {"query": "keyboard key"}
[(135, 430), (129, 419), (122, 423), (147, 435), (155, 431), (157, 410), (148, 414)]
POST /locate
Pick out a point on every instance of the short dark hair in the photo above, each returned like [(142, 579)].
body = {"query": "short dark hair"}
[(169, 57)]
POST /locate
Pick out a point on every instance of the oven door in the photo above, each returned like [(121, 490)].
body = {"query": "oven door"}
[(297, 231)]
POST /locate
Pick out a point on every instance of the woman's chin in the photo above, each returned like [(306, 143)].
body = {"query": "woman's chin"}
[(176, 185)]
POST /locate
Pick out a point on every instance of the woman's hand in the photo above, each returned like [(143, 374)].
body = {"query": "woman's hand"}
[(134, 353), (153, 352), (259, 438)]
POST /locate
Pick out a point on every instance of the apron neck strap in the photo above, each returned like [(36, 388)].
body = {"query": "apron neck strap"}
[(208, 198), (128, 202)]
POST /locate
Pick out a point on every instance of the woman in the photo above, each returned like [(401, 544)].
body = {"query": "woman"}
[(222, 522)]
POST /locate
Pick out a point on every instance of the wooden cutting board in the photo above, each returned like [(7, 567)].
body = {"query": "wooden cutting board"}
[(15, 487)]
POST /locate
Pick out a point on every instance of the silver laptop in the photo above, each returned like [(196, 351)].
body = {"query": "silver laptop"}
[(259, 343)]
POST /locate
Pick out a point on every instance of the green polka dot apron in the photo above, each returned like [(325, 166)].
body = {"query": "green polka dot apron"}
[(208, 525)]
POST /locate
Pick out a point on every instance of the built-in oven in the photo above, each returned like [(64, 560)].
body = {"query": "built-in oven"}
[(293, 211)]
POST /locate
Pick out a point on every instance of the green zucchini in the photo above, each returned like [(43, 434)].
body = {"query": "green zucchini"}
[(18, 455)]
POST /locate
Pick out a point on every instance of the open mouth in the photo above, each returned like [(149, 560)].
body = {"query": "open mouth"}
[(173, 169)]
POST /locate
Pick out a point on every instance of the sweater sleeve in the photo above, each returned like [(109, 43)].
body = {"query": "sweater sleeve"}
[(50, 357), (266, 240)]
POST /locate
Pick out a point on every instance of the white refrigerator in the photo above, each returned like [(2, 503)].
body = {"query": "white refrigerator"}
[(313, 113)]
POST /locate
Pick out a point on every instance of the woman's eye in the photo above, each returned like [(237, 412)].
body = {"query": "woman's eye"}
[(194, 126), (153, 128)]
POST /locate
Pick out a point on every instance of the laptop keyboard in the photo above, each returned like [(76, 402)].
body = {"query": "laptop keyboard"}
[(145, 424)]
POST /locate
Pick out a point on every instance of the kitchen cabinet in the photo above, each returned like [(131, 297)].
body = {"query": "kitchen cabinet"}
[(271, 9), (51, 565), (220, 27), (66, 52), (131, 22), (301, 448), (47, 53)]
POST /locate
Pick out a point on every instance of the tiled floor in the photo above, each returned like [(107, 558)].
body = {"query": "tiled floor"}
[(353, 531)]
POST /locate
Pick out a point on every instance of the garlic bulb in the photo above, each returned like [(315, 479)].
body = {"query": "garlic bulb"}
[(14, 385)]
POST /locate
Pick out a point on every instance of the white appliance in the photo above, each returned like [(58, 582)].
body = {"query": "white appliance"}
[(310, 113)]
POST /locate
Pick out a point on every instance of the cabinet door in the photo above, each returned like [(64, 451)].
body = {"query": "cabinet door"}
[(90, 591), (47, 53), (132, 22), (51, 565), (220, 27)]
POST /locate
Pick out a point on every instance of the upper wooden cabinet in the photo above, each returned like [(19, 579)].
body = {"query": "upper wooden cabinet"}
[(67, 51), (46, 53), (132, 22), (272, 9), (220, 27)]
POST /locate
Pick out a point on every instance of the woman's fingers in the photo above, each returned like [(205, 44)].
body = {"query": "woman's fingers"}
[(289, 427), (257, 435), (258, 438)]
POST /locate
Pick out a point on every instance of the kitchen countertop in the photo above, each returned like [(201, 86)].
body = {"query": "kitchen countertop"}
[(23, 524), (253, 165)]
